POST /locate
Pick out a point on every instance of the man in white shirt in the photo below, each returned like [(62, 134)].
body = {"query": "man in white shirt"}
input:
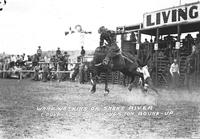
[(25, 57), (13, 60), (174, 71)]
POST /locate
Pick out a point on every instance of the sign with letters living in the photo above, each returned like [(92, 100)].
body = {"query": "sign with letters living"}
[(180, 14)]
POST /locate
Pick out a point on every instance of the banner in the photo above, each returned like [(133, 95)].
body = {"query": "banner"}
[(180, 14)]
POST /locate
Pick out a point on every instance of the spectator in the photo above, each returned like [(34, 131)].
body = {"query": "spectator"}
[(58, 52), (36, 72), (189, 38), (53, 60), (35, 60), (82, 51), (197, 43), (189, 42), (1, 68), (174, 71), (5, 68), (65, 60), (146, 41), (193, 49), (197, 39), (18, 60), (39, 51), (13, 60), (25, 57), (45, 70), (133, 37), (160, 54), (82, 73), (29, 58), (46, 59), (169, 38)]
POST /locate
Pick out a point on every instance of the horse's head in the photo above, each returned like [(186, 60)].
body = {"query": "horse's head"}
[(99, 54)]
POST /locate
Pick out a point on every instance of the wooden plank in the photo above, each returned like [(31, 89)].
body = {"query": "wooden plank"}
[(34, 71)]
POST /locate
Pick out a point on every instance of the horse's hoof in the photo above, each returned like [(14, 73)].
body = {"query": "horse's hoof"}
[(107, 91), (129, 88), (92, 91)]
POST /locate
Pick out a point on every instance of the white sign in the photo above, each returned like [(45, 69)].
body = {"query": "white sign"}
[(155, 46), (119, 41), (184, 13), (137, 46), (177, 45)]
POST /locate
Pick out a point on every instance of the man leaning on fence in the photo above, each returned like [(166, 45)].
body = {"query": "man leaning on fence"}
[(174, 70)]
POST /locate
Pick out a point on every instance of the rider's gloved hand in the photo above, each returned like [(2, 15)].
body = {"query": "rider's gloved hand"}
[(105, 62)]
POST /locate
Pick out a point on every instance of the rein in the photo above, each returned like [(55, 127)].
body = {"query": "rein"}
[(98, 64), (127, 58)]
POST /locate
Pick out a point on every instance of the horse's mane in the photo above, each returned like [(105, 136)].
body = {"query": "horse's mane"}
[(101, 49)]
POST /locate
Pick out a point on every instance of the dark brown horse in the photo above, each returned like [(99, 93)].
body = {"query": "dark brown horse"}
[(118, 62)]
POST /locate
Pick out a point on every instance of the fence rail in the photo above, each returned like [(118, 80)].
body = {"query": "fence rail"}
[(31, 71)]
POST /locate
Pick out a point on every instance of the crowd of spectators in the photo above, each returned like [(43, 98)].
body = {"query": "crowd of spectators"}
[(12, 64), (41, 67), (169, 48)]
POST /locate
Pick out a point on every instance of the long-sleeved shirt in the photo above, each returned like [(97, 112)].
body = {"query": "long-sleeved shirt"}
[(108, 36), (39, 51), (174, 68), (13, 59)]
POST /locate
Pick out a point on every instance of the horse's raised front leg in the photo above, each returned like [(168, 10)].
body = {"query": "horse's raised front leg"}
[(93, 83), (130, 87), (106, 85), (139, 74)]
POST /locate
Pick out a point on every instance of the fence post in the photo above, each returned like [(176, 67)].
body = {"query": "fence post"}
[(156, 54), (4, 71), (20, 75)]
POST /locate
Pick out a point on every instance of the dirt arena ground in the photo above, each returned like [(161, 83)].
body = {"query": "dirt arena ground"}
[(66, 110)]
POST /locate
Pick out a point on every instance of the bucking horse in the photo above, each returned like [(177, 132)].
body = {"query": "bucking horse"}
[(118, 62)]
